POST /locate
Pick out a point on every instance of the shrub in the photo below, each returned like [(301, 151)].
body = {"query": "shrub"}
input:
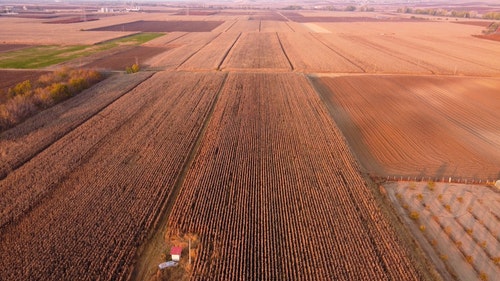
[(23, 88), (133, 69), (431, 185), (59, 92), (25, 99), (469, 259), (15, 110), (414, 215), (350, 8), (77, 84)]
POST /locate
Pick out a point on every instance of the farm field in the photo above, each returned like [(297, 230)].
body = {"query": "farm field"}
[(396, 124), (257, 51), (258, 134), (257, 154), (157, 135), (458, 224)]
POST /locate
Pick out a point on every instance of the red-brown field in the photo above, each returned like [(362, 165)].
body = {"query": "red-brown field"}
[(419, 126), (121, 60), (11, 47), (242, 132)]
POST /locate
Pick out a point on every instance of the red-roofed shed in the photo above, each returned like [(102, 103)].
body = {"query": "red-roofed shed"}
[(176, 253)]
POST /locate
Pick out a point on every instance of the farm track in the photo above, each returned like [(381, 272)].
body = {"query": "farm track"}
[(338, 53)]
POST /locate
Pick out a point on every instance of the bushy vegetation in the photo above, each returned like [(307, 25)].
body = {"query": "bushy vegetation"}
[(133, 69), (27, 98), (492, 16), (350, 8), (437, 12), (293, 7)]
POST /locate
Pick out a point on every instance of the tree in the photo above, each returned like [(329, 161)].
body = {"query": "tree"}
[(350, 8)]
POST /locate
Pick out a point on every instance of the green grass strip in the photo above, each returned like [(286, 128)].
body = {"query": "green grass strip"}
[(43, 56)]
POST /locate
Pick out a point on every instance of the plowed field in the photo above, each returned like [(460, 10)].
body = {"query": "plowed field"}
[(437, 127)]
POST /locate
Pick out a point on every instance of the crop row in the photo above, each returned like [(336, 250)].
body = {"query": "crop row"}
[(89, 200), (274, 193)]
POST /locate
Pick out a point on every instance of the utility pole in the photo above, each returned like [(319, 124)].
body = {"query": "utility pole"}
[(189, 252)]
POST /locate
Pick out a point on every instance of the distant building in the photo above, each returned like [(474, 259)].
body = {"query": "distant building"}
[(176, 253)]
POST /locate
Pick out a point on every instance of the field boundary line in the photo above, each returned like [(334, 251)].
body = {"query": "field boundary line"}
[(157, 232), (284, 52), (228, 51), (231, 26), (336, 52), (197, 51)]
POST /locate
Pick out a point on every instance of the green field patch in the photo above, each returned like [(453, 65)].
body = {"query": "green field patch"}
[(43, 56)]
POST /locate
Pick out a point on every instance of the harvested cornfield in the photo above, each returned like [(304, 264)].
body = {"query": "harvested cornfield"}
[(88, 201), (307, 53), (368, 57), (212, 54), (273, 188), (261, 51), (418, 126), (180, 49)]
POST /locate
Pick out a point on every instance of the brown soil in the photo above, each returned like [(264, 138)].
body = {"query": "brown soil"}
[(12, 47), (396, 124), (475, 23), (126, 58), (493, 36), (162, 26)]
